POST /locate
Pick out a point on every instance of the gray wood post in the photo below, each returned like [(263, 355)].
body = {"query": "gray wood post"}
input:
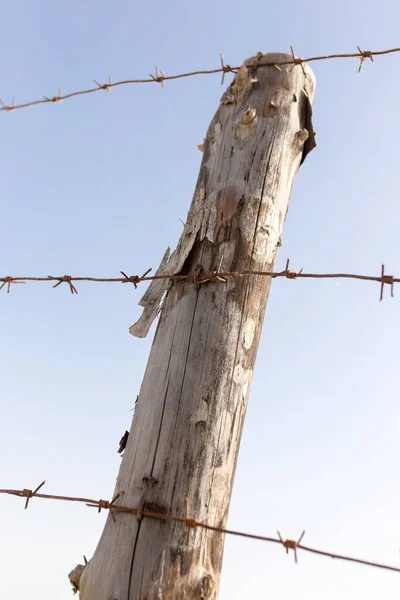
[(189, 415)]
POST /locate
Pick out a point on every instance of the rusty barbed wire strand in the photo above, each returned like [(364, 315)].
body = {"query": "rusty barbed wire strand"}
[(160, 78), (192, 523), (200, 277)]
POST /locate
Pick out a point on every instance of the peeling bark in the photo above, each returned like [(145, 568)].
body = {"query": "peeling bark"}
[(189, 416)]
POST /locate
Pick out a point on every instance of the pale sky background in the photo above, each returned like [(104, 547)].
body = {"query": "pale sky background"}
[(98, 184)]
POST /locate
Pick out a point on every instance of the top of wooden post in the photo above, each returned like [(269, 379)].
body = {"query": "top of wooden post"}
[(260, 87)]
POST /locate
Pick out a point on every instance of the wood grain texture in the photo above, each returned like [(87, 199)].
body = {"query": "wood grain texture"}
[(189, 416)]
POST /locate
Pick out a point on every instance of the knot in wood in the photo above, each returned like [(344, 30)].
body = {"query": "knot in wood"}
[(302, 136), (248, 116), (206, 586)]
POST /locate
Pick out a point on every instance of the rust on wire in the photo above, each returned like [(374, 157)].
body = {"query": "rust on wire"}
[(291, 544), (110, 506), (135, 279), (200, 277), (28, 494), (57, 98), (159, 77), (105, 504), (364, 54), (64, 279), (8, 107), (104, 86), (192, 523), (8, 281), (291, 274), (256, 60), (389, 279)]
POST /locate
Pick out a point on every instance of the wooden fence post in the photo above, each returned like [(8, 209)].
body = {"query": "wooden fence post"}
[(188, 420)]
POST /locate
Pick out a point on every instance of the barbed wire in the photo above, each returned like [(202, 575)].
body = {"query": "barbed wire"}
[(200, 277), (160, 78), (189, 522)]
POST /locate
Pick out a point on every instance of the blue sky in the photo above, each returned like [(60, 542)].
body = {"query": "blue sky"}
[(99, 184)]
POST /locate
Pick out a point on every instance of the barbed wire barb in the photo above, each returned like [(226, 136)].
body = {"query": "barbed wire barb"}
[(159, 78), (135, 279), (64, 279), (8, 107), (28, 494), (225, 68), (291, 544), (389, 279), (291, 274), (364, 54), (104, 86), (57, 98), (8, 281), (297, 61)]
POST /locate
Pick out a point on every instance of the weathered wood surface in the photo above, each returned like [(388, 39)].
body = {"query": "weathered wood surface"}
[(188, 420)]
